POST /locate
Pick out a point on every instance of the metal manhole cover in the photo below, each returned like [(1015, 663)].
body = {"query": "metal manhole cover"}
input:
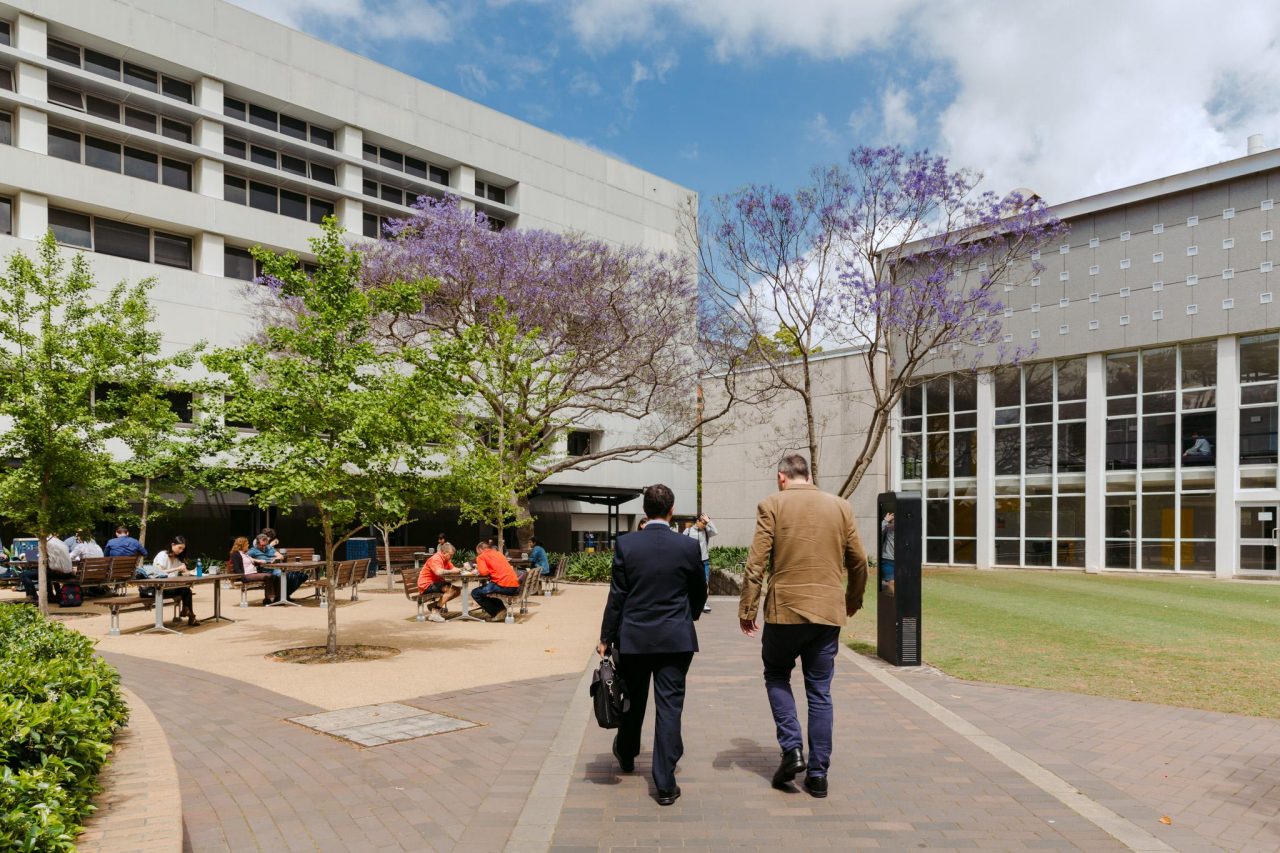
[(375, 725)]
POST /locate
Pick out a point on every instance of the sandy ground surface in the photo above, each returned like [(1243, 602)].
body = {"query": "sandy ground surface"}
[(556, 637)]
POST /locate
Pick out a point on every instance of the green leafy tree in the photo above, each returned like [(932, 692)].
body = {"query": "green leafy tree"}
[(58, 343), (329, 409)]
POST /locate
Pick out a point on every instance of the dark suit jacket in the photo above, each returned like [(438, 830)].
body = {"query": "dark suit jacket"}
[(656, 594)]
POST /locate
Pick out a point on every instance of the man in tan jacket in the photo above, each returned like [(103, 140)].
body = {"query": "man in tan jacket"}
[(812, 541)]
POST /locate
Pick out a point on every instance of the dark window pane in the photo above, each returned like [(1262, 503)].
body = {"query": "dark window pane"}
[(1039, 449), (262, 196), (173, 250), (1007, 552), (100, 63), (293, 165), (1162, 402), (939, 455), (121, 239), (64, 144), (1040, 414), (101, 154), (391, 159), (1200, 365), (1008, 387), (1258, 436), (141, 164), (964, 394), (1198, 518), (234, 109), (1260, 358), (5, 36), (66, 97), (1157, 517), (964, 454), (295, 127), (1071, 447), (293, 204), (176, 174), (262, 156), (371, 188), (140, 120), (1200, 438), (70, 228), (912, 463), (1121, 555), (936, 551), (937, 518), (1039, 382), (415, 167), (181, 404), (1071, 552), (321, 136), (1159, 369), (234, 189), (1038, 517), (966, 420), (1071, 379), (392, 194), (178, 130), (263, 117), (1071, 411), (6, 216), (1122, 444), (1009, 451), (1119, 520), (235, 147), (323, 174), (1264, 393), (441, 176), (320, 209), (143, 78), (1008, 517), (1158, 441), (370, 152), (1122, 406), (63, 52), (179, 90), (237, 263), (938, 395), (102, 108), (1071, 517), (912, 425), (965, 518), (912, 402), (497, 194), (1122, 374), (371, 225), (6, 129)]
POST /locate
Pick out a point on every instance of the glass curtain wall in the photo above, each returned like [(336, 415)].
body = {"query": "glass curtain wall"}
[(939, 459), (1040, 464), (1161, 445), (1259, 373)]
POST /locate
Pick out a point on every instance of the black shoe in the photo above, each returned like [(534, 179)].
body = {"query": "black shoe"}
[(627, 764), (792, 764), (666, 798), (816, 786)]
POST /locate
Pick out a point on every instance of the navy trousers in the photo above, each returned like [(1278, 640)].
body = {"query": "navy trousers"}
[(668, 673), (815, 646)]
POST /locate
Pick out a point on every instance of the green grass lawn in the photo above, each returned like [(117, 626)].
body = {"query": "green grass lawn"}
[(1194, 643)]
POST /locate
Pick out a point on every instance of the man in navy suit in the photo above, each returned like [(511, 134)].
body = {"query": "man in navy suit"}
[(657, 592)]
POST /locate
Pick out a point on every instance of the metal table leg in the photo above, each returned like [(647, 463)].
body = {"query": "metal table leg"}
[(157, 604), (284, 592), (217, 605), (466, 603)]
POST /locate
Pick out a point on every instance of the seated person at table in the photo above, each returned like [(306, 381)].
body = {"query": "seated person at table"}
[(85, 547), (502, 580), (430, 581), (240, 563), (173, 562), (123, 545), (264, 553), (538, 558), (59, 569)]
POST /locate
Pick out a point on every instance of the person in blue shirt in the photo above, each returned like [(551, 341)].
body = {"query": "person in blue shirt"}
[(123, 545), (538, 557), (264, 554)]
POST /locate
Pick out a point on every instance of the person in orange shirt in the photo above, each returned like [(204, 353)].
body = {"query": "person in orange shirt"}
[(502, 580), (431, 580)]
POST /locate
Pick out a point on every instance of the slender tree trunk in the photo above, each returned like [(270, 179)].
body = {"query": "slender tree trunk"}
[(42, 572), (386, 549), (879, 425), (331, 641), (524, 522), (810, 423), (146, 508)]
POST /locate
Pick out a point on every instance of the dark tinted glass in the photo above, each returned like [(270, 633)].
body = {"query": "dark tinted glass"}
[(180, 401), (234, 147), (6, 79), (321, 136), (392, 194), (262, 156), (293, 165), (100, 63), (237, 263), (143, 78), (263, 117), (391, 159), (139, 119), (497, 194), (293, 204), (415, 167), (63, 52), (178, 130), (234, 190), (6, 216), (295, 127), (371, 188), (440, 176), (64, 144), (173, 250), (323, 174), (370, 152), (5, 37), (121, 239), (262, 196), (370, 225), (141, 164), (102, 108), (102, 154), (233, 108), (66, 97), (70, 228), (320, 209), (176, 174), (177, 89)]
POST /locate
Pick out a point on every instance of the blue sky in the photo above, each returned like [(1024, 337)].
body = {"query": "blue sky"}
[(1066, 98)]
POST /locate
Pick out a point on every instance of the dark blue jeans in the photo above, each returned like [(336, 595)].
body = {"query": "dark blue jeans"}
[(815, 646), (483, 596)]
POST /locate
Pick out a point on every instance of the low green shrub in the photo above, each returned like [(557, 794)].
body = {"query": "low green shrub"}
[(60, 706), (595, 566), (729, 558)]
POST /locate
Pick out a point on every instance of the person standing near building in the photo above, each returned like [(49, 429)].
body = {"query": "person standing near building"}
[(655, 594), (702, 530), (812, 540)]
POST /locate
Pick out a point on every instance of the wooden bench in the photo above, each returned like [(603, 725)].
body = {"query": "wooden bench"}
[(398, 557), (551, 583), (520, 598), (409, 579), (244, 583), (122, 569)]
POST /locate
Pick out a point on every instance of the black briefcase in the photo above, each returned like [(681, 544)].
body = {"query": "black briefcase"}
[(609, 692)]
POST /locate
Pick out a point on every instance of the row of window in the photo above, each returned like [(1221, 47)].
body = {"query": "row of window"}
[(121, 239), (405, 163), (270, 157), (104, 65), (491, 192), (121, 159), (278, 122), (105, 108), (6, 34), (272, 199), (6, 78)]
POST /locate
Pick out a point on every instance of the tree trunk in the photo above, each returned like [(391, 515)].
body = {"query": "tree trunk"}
[(146, 507), (386, 549), (42, 573), (863, 464), (811, 428), (331, 641), (524, 522)]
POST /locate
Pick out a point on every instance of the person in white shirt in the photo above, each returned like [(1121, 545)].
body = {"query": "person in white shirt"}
[(59, 569), (85, 547), (172, 561), (703, 530)]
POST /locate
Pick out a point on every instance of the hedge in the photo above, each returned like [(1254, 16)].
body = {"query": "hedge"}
[(60, 706)]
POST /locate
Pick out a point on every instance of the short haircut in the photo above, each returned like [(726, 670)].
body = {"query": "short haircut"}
[(483, 544), (793, 466), (262, 537), (446, 548), (658, 501), (120, 528)]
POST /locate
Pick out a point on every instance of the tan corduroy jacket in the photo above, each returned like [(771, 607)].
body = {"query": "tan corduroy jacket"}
[(813, 542)]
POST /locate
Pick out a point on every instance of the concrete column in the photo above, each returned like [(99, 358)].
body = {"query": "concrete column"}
[(31, 130), (208, 135), (1095, 478), (207, 177), (31, 81), (208, 94), (30, 216), (350, 213), (1226, 550), (208, 258), (349, 140), (31, 34), (986, 470), (463, 179)]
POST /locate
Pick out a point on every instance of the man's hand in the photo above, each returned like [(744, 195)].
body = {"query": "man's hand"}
[(850, 608), (602, 649), (748, 626)]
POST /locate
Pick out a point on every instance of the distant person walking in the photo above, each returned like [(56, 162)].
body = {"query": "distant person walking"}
[(702, 530), (812, 541)]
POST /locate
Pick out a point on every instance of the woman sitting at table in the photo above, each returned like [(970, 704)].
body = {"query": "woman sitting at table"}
[(173, 562), (538, 558), (240, 563), (264, 554), (431, 581)]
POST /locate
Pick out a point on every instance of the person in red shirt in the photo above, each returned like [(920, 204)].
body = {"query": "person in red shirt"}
[(502, 580), (431, 580)]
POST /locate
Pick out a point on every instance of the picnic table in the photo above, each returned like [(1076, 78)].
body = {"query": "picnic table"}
[(311, 567), (161, 584), (467, 578)]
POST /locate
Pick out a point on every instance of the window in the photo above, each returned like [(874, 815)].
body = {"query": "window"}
[(494, 223), (263, 156), (439, 175), (182, 404), (263, 197), (293, 165), (66, 97), (321, 136), (372, 225), (176, 174), (293, 204), (142, 78), (490, 192), (231, 108), (71, 229), (579, 442), (235, 189), (63, 52), (173, 250), (237, 263), (178, 130), (323, 174), (405, 163), (939, 447), (64, 144), (102, 154), (263, 117), (6, 79), (179, 90), (101, 64), (6, 129), (121, 239), (102, 108), (6, 215), (320, 209), (6, 36), (235, 148), (140, 120)]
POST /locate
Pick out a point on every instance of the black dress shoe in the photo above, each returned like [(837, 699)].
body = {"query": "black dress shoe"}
[(627, 764), (792, 764), (666, 798), (816, 786)]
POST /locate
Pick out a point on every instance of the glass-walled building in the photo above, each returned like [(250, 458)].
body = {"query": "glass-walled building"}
[(1143, 435)]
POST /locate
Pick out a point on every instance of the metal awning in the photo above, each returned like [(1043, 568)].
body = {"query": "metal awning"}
[(606, 495)]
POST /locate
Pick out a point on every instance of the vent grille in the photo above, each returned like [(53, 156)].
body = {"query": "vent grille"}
[(910, 641)]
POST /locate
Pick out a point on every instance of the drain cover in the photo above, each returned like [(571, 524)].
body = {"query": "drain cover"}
[(375, 725)]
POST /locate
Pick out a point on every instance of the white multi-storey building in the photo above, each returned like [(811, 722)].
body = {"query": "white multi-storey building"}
[(167, 138)]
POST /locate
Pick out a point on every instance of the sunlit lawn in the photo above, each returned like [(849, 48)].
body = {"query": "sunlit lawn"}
[(1195, 643)]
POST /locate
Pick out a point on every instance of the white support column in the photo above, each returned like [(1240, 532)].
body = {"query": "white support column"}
[(208, 94), (31, 81), (350, 141), (350, 214), (986, 471), (463, 179), (31, 130), (30, 216), (31, 35), (1226, 548), (208, 177), (1095, 483), (209, 259)]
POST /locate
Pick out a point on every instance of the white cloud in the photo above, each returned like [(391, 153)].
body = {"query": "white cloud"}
[(382, 20), (897, 119), (690, 152), (818, 129), (473, 79), (583, 83)]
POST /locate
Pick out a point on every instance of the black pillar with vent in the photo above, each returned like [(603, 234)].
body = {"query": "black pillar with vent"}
[(898, 588)]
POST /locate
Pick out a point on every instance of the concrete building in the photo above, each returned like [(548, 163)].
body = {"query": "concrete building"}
[(168, 138), (1142, 434)]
